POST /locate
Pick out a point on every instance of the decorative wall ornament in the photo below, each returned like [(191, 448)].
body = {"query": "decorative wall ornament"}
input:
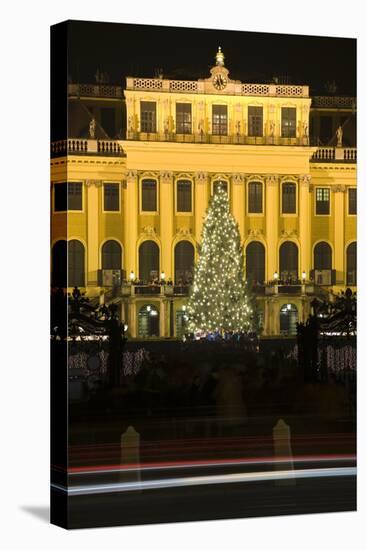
[(97, 183), (184, 231), (289, 233), (339, 188), (272, 180), (131, 176), (305, 180), (201, 177), (255, 232), (166, 177), (238, 179), (149, 230)]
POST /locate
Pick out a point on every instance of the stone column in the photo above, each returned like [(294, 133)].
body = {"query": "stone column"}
[(201, 202), (131, 216), (238, 202), (132, 318), (92, 216), (305, 225), (272, 217), (338, 262), (166, 222), (162, 319)]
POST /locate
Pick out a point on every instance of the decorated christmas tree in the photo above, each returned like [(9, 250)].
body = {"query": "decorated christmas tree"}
[(219, 302)]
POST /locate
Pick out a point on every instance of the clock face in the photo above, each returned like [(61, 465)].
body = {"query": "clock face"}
[(220, 82)]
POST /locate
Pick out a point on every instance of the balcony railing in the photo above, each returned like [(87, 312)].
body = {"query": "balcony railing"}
[(236, 139), (335, 154), (335, 102), (128, 289), (86, 147), (199, 86), (95, 90)]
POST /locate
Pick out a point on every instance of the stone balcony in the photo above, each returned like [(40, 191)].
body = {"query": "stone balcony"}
[(335, 154), (80, 146)]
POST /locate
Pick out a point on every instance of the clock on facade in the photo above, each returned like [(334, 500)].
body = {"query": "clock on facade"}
[(220, 81)]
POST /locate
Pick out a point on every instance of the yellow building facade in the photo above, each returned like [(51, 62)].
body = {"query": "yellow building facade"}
[(131, 210)]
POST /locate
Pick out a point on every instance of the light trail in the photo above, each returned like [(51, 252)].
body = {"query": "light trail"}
[(206, 480), (205, 464)]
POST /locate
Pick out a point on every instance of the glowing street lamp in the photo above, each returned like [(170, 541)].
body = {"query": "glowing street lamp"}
[(303, 276), (275, 276), (162, 276), (132, 276)]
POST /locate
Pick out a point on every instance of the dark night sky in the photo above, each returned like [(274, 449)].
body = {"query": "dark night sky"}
[(136, 50)]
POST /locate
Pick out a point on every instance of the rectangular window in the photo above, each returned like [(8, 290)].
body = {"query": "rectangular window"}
[(60, 197), (148, 116), (184, 196), (219, 120), (288, 122), (75, 196), (255, 119), (288, 198), (255, 198), (352, 201), (111, 197), (149, 196), (322, 201), (183, 117)]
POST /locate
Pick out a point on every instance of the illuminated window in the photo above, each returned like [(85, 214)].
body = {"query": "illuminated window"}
[(183, 117), (219, 120), (288, 122), (255, 199), (148, 116), (322, 201), (255, 119)]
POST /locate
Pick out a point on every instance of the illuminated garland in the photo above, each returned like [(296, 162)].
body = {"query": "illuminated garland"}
[(219, 302)]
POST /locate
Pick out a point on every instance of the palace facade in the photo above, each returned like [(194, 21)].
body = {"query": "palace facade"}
[(131, 184)]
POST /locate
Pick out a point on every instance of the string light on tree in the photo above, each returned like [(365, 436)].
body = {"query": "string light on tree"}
[(219, 302)]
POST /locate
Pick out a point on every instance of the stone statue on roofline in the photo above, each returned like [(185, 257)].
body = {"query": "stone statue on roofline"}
[(339, 134), (92, 128)]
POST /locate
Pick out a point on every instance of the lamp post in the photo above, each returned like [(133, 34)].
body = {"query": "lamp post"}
[(132, 276), (275, 278)]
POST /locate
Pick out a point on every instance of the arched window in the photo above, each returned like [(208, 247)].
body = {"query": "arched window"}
[(219, 183), (352, 264), (255, 197), (59, 264), (183, 262), (76, 263), (148, 261), (111, 255), (288, 319), (289, 198), (289, 261), (148, 322), (255, 262), (322, 256), (149, 195)]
